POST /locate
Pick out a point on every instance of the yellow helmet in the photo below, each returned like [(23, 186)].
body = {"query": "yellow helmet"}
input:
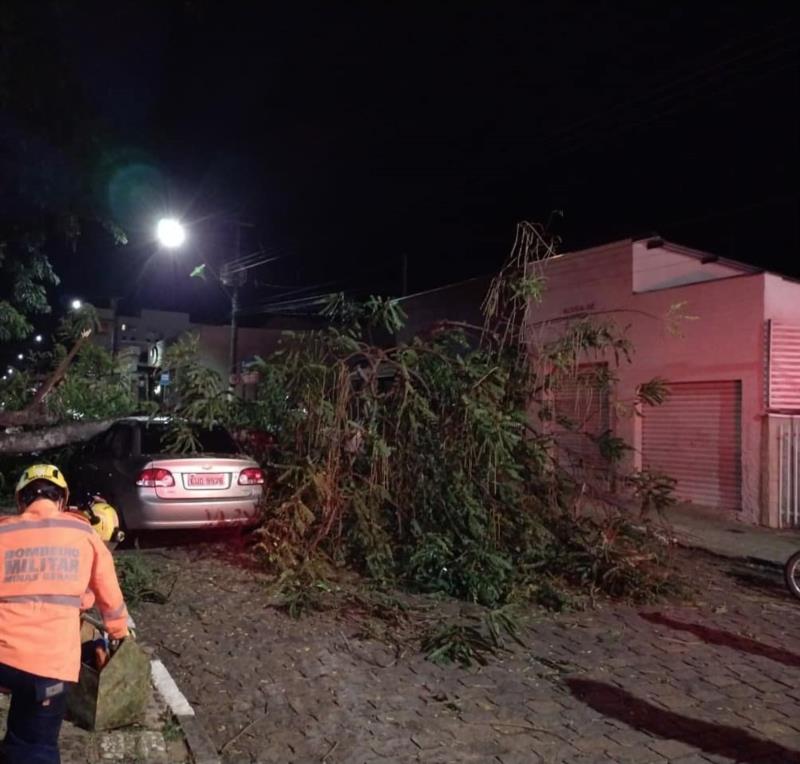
[(105, 521), (48, 472)]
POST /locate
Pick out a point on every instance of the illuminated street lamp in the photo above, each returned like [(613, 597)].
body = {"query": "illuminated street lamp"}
[(38, 338), (170, 233), (20, 357), (76, 304)]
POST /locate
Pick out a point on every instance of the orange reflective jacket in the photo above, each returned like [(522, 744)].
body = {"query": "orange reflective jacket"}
[(49, 560)]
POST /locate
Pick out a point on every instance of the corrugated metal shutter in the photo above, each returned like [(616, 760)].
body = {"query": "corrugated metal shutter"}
[(695, 437), (783, 390), (581, 407)]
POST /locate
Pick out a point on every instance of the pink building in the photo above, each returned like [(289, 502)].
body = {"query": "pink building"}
[(730, 430)]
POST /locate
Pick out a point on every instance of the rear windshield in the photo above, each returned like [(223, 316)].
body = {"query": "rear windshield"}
[(214, 441)]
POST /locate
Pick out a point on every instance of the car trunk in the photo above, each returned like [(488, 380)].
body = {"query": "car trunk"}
[(203, 477)]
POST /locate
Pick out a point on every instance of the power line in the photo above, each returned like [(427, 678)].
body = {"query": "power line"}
[(251, 257), (568, 139), (627, 127), (227, 269), (662, 92), (276, 301)]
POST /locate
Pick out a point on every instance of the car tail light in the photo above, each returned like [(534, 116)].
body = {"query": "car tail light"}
[(251, 476), (155, 478)]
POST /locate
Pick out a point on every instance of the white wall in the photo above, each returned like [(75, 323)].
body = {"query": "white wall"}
[(660, 268), (781, 299)]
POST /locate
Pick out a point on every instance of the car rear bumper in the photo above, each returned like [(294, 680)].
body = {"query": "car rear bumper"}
[(154, 513)]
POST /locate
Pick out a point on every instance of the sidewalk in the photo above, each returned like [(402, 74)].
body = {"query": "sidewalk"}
[(696, 528)]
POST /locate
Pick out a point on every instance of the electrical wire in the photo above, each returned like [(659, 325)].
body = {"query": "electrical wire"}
[(278, 299), (662, 92), (255, 309), (578, 135), (255, 264), (253, 256), (615, 130)]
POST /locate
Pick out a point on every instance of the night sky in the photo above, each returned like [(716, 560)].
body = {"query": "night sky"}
[(352, 134)]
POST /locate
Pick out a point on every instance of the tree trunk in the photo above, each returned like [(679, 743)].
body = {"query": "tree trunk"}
[(34, 414), (51, 437)]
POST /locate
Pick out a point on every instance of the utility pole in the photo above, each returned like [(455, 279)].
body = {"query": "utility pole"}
[(114, 327), (233, 278), (232, 344)]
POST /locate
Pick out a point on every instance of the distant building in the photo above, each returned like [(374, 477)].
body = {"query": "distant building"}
[(730, 430), (459, 303), (144, 337)]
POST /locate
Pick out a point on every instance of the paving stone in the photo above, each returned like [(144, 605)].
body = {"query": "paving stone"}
[(650, 703), (707, 695), (628, 736), (598, 745), (587, 758), (670, 749), (117, 746), (151, 747), (544, 708), (721, 680), (637, 755), (528, 757), (773, 729)]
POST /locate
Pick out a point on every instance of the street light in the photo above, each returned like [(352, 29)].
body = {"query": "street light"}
[(20, 357), (170, 233), (38, 338), (76, 304)]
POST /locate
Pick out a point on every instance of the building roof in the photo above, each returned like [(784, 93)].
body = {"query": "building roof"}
[(654, 240)]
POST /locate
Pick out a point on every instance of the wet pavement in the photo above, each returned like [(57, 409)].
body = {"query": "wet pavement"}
[(714, 681)]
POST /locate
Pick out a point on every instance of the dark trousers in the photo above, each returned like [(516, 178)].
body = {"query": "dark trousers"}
[(34, 718)]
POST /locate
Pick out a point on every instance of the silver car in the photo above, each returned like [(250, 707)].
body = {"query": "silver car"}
[(153, 490)]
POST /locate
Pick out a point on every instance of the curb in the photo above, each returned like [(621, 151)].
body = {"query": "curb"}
[(763, 562), (200, 746)]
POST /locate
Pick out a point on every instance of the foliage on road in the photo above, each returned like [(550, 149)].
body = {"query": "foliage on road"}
[(432, 465), (140, 579)]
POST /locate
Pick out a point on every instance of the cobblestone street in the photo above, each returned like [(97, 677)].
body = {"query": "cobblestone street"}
[(713, 681)]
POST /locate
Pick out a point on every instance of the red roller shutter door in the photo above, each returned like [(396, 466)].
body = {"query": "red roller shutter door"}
[(695, 437)]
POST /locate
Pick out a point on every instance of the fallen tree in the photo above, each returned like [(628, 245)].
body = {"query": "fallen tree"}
[(56, 436), (432, 465), (80, 397)]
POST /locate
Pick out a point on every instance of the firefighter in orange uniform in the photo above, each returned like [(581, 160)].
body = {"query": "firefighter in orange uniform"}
[(50, 557)]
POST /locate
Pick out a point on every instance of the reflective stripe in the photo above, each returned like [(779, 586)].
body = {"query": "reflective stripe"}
[(117, 612), (32, 525), (50, 599)]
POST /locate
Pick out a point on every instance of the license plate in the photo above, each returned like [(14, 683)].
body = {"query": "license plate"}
[(205, 480)]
